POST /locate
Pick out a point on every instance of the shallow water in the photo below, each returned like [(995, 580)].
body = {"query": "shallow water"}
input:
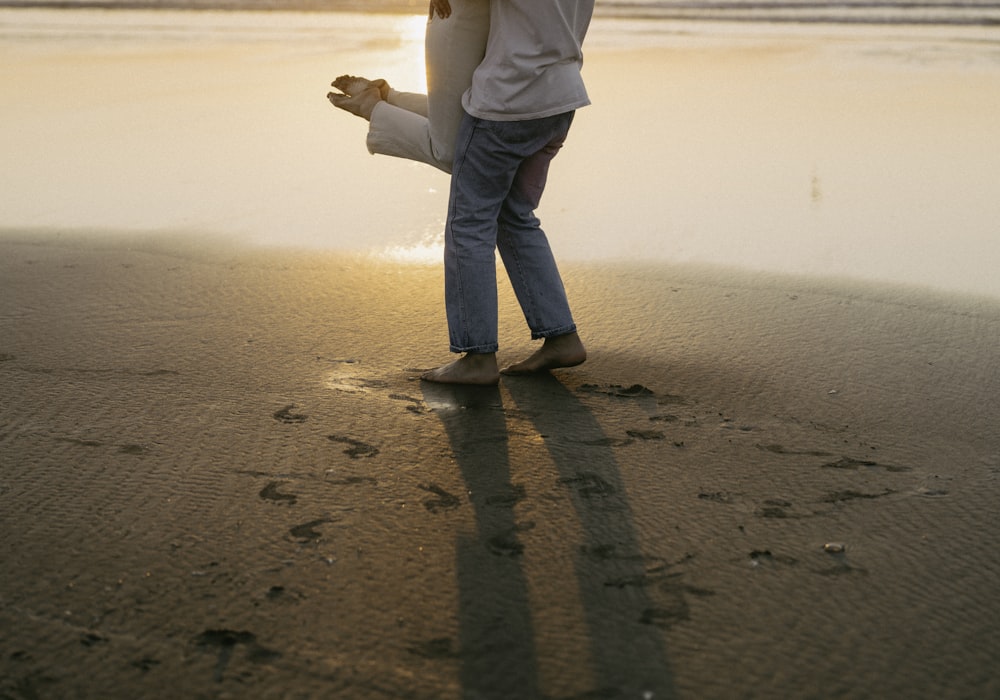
[(866, 152), (981, 12)]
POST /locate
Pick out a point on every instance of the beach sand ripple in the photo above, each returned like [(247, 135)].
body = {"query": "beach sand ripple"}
[(221, 476)]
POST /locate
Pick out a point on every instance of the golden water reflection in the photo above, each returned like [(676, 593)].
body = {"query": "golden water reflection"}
[(805, 150)]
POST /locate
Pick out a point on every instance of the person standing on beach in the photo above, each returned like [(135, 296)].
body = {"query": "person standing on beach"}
[(519, 110)]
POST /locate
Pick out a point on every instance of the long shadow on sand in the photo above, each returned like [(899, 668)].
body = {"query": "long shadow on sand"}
[(497, 639)]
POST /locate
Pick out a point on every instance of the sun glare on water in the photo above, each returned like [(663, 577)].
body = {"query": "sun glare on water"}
[(423, 253), (410, 30)]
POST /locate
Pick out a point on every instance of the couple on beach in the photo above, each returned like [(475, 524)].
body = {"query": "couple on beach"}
[(503, 84)]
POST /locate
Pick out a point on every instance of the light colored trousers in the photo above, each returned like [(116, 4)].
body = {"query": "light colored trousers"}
[(423, 127)]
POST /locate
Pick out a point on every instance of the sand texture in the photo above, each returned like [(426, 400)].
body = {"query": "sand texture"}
[(777, 476), (221, 478)]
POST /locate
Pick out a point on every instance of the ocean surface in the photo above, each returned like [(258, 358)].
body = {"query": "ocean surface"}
[(971, 12), (818, 147)]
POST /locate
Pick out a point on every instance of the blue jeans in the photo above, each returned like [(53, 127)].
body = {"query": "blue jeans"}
[(499, 175)]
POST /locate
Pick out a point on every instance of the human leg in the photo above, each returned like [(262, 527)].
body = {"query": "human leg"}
[(423, 127), (524, 247), (483, 172), (500, 176), (490, 158), (453, 49), (532, 268)]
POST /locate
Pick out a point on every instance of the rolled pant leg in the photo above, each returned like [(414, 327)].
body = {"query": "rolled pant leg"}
[(394, 131)]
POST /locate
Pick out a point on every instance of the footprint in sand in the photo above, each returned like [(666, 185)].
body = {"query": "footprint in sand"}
[(352, 384), (666, 617), (663, 579), (764, 557), (356, 448), (89, 639), (285, 415), (774, 508), (280, 594), (416, 405), (344, 380), (646, 434), (506, 544), (589, 484), (438, 648), (629, 392), (444, 500), (723, 497), (271, 493), (225, 642), (146, 663), (855, 464), (306, 532), (844, 496), (607, 442), (78, 441), (508, 498), (782, 450)]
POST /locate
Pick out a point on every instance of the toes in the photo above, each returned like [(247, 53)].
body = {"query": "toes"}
[(344, 102), (342, 82), (351, 84)]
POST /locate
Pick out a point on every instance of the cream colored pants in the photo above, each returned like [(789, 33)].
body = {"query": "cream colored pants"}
[(423, 127)]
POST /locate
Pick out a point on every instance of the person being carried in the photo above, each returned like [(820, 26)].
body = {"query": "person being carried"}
[(417, 126), (519, 110)]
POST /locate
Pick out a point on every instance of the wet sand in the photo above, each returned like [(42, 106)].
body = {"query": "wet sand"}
[(220, 476)]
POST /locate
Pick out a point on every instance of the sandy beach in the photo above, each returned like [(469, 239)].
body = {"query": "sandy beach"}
[(776, 477)]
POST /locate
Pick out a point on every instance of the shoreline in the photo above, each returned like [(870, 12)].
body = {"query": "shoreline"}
[(810, 151), (220, 247)]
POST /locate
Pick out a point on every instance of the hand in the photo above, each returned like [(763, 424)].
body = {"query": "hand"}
[(442, 7)]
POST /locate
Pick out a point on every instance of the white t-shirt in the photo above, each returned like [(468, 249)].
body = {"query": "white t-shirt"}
[(533, 58)]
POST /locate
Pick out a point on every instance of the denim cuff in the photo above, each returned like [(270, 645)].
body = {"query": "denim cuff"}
[(565, 330)]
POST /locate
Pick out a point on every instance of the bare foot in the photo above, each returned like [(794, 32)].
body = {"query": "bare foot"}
[(354, 85), (360, 104), (557, 351), (472, 368)]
